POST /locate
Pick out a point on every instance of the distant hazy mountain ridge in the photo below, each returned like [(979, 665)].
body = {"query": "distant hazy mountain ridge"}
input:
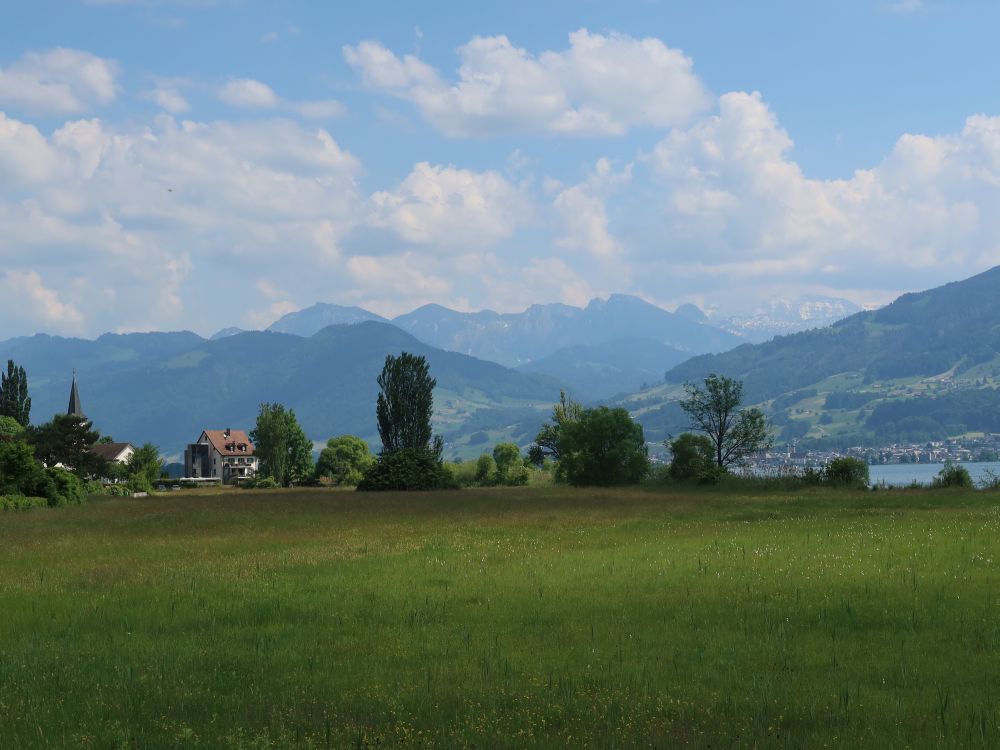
[(314, 319), (607, 369), (517, 338), (583, 347), (905, 371), (781, 317), (167, 387)]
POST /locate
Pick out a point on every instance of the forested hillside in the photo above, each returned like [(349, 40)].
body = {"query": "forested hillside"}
[(953, 327), (167, 387), (925, 367)]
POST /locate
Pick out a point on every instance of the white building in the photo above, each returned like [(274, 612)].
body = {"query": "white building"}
[(226, 455), (115, 453)]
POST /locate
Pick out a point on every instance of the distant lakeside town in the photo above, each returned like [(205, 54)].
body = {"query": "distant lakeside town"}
[(983, 448)]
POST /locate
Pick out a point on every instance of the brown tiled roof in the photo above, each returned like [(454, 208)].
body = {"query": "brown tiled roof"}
[(109, 451), (230, 446)]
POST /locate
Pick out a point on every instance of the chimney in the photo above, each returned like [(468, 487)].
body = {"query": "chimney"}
[(227, 432)]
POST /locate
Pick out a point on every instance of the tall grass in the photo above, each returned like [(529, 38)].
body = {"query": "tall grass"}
[(504, 618)]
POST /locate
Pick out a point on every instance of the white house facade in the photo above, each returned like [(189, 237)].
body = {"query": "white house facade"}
[(227, 455)]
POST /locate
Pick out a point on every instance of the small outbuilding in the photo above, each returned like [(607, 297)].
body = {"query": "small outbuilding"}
[(116, 453)]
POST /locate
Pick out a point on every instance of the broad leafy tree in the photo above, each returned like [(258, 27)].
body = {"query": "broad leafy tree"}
[(144, 467), (345, 459), (67, 440), (20, 472), (284, 451), (547, 440), (14, 399), (9, 427), (714, 410), (510, 467), (602, 447)]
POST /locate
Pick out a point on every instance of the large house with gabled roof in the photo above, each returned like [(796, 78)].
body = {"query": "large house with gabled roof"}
[(226, 455)]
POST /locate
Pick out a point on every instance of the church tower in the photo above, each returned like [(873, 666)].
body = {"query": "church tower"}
[(74, 400)]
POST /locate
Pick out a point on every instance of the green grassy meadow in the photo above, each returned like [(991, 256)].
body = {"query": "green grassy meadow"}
[(540, 617)]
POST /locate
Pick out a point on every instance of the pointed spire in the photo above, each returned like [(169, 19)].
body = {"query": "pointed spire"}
[(74, 399)]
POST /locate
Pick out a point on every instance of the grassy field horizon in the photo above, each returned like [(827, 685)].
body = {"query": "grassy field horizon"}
[(533, 617)]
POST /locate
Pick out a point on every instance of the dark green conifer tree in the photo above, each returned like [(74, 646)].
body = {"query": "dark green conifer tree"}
[(14, 399)]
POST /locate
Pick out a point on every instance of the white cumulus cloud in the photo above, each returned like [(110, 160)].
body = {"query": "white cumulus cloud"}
[(319, 109), (152, 227), (26, 158), (581, 211), (601, 85), (451, 207), (169, 99), (59, 81), (249, 93), (736, 206), (25, 294)]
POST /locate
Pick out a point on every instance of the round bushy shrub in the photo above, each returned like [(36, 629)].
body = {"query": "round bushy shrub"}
[(510, 468), (693, 456), (140, 483), (65, 488), (260, 483), (485, 470), (847, 471), (953, 475), (407, 469), (518, 475), (19, 502), (94, 487), (713, 474)]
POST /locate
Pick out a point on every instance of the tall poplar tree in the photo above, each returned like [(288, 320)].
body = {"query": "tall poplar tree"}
[(14, 399), (411, 454), (405, 403)]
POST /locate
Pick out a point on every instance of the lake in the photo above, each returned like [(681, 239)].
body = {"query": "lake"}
[(900, 475)]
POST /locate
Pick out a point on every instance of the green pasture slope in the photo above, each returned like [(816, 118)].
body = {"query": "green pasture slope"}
[(503, 618)]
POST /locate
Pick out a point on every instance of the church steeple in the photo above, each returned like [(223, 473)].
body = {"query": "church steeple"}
[(74, 400)]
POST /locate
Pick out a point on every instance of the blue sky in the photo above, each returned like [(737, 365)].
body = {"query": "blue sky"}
[(199, 164)]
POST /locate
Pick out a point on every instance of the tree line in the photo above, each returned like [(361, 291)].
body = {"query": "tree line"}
[(599, 446)]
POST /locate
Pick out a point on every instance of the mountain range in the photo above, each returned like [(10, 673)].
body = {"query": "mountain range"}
[(605, 348), (167, 387), (314, 319), (589, 349), (924, 366)]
